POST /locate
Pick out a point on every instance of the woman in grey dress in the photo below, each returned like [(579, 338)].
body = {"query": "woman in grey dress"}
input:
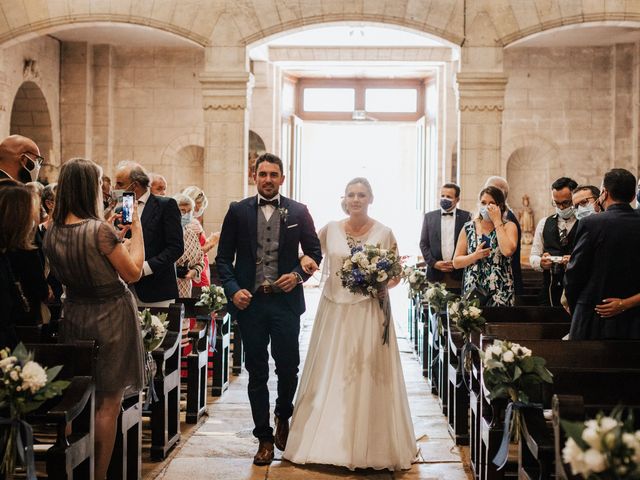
[(87, 256)]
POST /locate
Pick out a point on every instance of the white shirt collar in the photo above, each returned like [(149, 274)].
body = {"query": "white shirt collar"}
[(277, 197), (143, 199)]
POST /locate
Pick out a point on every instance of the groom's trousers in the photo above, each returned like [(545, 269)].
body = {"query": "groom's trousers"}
[(270, 318)]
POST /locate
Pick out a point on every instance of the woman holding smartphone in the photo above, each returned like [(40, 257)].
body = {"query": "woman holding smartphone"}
[(485, 247), (88, 257)]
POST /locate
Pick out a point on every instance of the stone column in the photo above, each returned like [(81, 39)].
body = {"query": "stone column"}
[(481, 103), (225, 97)]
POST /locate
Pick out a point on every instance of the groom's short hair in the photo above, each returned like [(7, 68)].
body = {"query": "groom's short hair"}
[(271, 158)]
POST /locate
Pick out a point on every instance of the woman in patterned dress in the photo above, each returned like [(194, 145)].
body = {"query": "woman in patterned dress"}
[(190, 265), (488, 266)]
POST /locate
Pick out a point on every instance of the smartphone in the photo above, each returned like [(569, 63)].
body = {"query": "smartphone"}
[(486, 240), (127, 208)]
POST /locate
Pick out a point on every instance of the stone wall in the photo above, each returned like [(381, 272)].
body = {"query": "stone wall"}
[(568, 112), (34, 66)]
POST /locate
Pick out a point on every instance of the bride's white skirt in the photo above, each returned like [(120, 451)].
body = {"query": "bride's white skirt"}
[(351, 407)]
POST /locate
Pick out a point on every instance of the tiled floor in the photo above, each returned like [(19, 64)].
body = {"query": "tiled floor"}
[(222, 447)]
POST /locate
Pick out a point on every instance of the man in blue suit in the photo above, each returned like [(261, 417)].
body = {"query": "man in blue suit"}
[(602, 274), (262, 234)]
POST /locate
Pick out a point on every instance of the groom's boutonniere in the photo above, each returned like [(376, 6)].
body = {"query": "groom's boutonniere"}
[(284, 214)]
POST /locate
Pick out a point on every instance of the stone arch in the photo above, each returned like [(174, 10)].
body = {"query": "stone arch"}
[(183, 157), (528, 162), (523, 19), (30, 117)]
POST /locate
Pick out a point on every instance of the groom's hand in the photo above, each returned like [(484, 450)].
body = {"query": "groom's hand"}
[(241, 299), (287, 282)]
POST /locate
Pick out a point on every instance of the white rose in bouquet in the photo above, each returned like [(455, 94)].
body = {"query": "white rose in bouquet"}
[(347, 264), (594, 460), (574, 456), (7, 363), (382, 276), (508, 356), (475, 312), (33, 376)]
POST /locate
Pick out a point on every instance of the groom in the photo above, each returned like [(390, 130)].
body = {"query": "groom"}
[(262, 235)]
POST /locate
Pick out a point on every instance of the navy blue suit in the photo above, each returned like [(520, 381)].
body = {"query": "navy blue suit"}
[(604, 264), (163, 246), (271, 317), (431, 239)]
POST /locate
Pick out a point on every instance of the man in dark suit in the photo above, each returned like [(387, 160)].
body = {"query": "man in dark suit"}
[(163, 237), (440, 231), (20, 159), (603, 271), (516, 268), (262, 234)]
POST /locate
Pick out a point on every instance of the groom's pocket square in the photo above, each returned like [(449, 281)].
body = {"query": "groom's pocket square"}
[(291, 226)]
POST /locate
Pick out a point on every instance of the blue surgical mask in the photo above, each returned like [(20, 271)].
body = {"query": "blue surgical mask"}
[(484, 213), (446, 204), (565, 214), (585, 211), (186, 219)]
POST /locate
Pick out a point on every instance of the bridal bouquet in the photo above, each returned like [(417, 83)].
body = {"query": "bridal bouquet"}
[(25, 386), (416, 278), (603, 448), (213, 298), (366, 271), (154, 329)]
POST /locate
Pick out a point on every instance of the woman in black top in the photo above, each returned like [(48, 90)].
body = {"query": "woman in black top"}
[(22, 282)]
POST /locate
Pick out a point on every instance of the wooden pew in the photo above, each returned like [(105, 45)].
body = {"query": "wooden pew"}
[(72, 455), (165, 413), (197, 359), (578, 408), (126, 459), (221, 354), (561, 357)]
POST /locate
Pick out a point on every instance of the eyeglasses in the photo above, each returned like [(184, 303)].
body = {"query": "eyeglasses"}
[(584, 202), (562, 205), (38, 160)]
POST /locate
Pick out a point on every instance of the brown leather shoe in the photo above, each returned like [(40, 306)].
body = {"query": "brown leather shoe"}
[(282, 433), (265, 453)]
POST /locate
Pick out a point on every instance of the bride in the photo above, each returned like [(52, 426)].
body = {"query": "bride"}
[(352, 408)]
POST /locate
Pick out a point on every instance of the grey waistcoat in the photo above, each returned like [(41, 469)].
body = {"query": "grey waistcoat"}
[(268, 238)]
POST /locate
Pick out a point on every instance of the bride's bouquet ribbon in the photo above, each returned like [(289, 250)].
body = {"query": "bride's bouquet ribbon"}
[(23, 446)]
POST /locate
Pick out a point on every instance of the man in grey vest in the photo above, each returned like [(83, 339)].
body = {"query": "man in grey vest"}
[(260, 271)]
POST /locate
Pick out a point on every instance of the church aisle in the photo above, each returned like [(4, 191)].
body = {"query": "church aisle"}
[(223, 447)]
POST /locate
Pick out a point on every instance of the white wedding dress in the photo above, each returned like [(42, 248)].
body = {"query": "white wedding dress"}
[(351, 407)]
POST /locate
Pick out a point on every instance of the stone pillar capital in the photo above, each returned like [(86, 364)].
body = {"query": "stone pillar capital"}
[(225, 90), (481, 91)]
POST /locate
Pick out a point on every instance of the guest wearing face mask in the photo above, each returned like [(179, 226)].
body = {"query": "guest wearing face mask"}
[(440, 230), (553, 241), (585, 201), (190, 265), (485, 247), (20, 159)]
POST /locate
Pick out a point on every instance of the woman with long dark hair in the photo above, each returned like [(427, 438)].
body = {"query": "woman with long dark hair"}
[(86, 254)]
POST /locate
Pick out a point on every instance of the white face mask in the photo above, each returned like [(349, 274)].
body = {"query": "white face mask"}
[(198, 213), (565, 214), (585, 211), (35, 171)]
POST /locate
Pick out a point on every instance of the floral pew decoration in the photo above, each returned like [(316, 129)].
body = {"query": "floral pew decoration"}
[(213, 298), (466, 317), (510, 371), (367, 271), (153, 329), (416, 279), (603, 448), (26, 385)]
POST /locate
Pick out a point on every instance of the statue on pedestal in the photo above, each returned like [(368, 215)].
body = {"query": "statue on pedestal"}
[(526, 220)]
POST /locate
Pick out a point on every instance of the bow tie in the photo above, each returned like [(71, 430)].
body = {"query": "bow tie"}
[(263, 202), (444, 214)]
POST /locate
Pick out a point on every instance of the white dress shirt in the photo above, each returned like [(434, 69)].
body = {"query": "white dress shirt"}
[(537, 248), (447, 234), (268, 210)]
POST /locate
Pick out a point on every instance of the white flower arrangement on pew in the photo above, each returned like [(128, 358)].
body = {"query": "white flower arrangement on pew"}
[(603, 448), (25, 386), (213, 298), (416, 279), (512, 372), (438, 296), (467, 316), (154, 329)]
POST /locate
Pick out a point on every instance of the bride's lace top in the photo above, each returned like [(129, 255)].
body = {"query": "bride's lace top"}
[(335, 248)]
